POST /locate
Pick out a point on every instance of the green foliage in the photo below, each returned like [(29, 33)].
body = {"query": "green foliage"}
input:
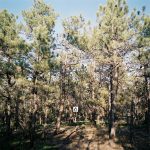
[(37, 87), (75, 31)]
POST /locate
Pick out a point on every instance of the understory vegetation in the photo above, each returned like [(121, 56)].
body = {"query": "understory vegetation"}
[(103, 69)]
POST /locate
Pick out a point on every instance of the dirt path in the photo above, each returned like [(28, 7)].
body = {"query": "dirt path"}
[(87, 138)]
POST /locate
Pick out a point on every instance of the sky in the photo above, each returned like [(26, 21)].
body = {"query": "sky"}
[(66, 8)]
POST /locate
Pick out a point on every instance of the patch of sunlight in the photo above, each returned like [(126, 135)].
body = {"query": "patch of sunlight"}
[(50, 147), (15, 142)]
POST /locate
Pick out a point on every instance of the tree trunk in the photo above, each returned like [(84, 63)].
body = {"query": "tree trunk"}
[(62, 96), (112, 129), (131, 120), (33, 113), (147, 96), (17, 114), (94, 116), (8, 118), (58, 122), (45, 115)]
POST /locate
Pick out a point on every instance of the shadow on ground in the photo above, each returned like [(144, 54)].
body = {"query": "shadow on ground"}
[(81, 137)]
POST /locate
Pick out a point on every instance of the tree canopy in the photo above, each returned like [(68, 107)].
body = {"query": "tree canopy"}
[(104, 70)]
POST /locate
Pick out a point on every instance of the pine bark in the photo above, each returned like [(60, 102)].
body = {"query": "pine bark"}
[(62, 97), (112, 130)]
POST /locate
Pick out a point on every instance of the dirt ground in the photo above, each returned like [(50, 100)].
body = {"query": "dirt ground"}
[(91, 138), (84, 138), (80, 137)]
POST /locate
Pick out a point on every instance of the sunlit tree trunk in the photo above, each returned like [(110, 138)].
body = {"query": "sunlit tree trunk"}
[(8, 117)]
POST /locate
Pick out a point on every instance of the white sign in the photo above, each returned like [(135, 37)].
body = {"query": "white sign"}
[(75, 109)]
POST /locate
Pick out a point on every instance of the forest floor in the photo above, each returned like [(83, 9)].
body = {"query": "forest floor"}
[(83, 137), (91, 138)]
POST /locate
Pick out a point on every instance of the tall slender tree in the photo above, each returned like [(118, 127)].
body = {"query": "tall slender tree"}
[(40, 21)]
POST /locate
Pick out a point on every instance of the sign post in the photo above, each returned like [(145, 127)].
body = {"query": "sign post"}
[(75, 110)]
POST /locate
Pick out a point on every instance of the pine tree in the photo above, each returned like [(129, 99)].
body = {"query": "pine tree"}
[(143, 57), (40, 21), (114, 36), (11, 48)]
